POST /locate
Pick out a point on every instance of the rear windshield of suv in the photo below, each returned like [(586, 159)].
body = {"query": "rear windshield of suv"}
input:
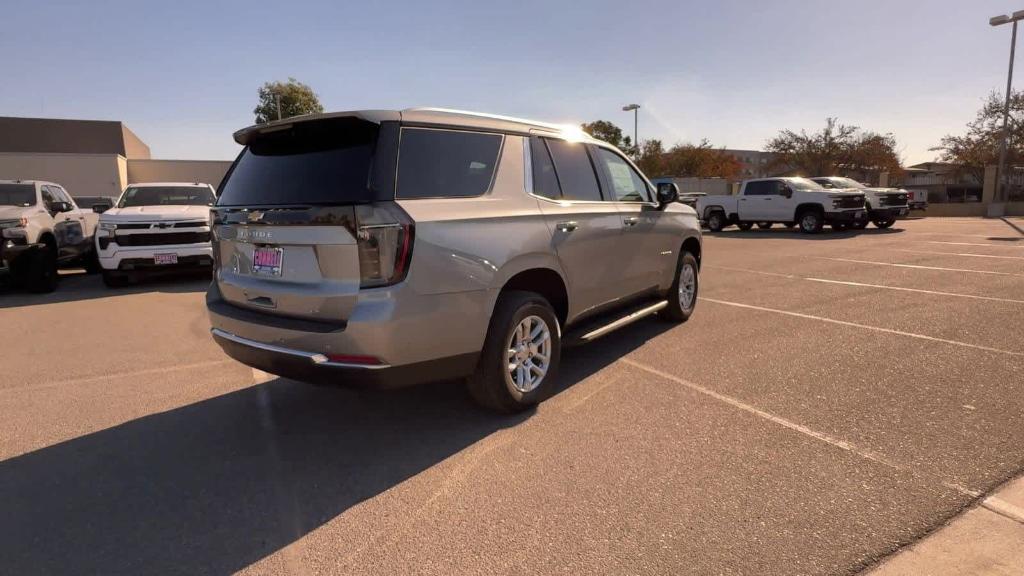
[(445, 163), (166, 196), (319, 162), (17, 194)]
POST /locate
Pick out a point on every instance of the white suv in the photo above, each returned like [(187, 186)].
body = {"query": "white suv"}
[(156, 227)]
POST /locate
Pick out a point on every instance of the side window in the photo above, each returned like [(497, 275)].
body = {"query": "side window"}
[(575, 172), (773, 188), (755, 188), (545, 181), (62, 195), (626, 184), (48, 197), (445, 163)]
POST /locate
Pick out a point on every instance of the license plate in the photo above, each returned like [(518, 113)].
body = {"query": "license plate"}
[(267, 261), (161, 259)]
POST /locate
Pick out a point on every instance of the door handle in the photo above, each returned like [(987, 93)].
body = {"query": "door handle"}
[(567, 226), (630, 221)]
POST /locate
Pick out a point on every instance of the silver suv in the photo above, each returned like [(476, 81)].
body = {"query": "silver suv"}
[(392, 247)]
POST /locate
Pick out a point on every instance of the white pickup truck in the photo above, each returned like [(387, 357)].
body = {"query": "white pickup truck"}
[(154, 228), (789, 201), (884, 205), (41, 227)]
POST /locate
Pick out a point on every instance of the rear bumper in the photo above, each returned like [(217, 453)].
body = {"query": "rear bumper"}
[(414, 337), (315, 368)]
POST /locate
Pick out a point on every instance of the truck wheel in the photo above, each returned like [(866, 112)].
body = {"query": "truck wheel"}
[(519, 362), (883, 224), (716, 221), (810, 221), (114, 279), (764, 225), (744, 225), (682, 297), (42, 271)]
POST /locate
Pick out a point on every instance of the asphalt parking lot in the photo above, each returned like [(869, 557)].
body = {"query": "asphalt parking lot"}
[(832, 399)]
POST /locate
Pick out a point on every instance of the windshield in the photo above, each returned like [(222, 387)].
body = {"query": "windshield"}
[(167, 196), (803, 184), (17, 195), (838, 182)]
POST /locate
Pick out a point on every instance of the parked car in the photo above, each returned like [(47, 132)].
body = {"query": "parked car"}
[(917, 199), (155, 228), (789, 201), (690, 198), (393, 247), (884, 205), (42, 228)]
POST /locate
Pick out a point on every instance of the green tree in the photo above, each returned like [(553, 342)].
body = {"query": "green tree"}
[(979, 146), (295, 97), (605, 130), (837, 149)]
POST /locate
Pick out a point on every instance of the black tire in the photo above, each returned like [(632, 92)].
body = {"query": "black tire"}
[(41, 271), (677, 311), (883, 224), (810, 221), (491, 384), (114, 279), (859, 225), (716, 221), (744, 225), (91, 263), (764, 225)]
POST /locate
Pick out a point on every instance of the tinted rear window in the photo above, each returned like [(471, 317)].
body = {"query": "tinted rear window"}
[(575, 172), (166, 196), (545, 182), (17, 194), (445, 163), (320, 162)]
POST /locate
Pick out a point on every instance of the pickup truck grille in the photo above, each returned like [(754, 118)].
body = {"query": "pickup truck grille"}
[(849, 202), (892, 200), (162, 239)]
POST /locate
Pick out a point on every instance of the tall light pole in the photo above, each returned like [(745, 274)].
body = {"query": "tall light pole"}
[(635, 109), (1001, 191)]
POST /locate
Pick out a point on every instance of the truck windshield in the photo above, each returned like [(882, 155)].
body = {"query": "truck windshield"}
[(804, 184), (17, 195), (166, 196)]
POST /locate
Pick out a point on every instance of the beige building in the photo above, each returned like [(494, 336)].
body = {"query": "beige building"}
[(91, 157)]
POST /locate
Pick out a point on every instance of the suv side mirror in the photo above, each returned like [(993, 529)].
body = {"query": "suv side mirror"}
[(59, 206), (100, 208), (668, 192)]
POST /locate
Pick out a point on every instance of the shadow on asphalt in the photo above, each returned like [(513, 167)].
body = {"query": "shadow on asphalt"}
[(76, 285), (215, 486), (782, 233)]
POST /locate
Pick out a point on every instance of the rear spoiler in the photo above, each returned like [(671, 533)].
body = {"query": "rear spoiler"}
[(246, 135)]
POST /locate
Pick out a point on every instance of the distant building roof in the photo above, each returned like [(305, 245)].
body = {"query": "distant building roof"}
[(58, 136)]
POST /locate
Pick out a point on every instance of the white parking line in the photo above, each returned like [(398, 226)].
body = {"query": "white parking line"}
[(958, 254), (918, 266), (974, 244), (992, 298), (831, 440), (761, 272), (864, 326)]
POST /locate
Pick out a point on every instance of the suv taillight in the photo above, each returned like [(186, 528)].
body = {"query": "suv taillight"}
[(384, 236)]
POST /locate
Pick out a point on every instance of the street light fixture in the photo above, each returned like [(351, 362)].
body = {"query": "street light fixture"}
[(1001, 169), (634, 108)]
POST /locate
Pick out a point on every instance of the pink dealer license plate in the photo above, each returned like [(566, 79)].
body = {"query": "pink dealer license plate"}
[(267, 261)]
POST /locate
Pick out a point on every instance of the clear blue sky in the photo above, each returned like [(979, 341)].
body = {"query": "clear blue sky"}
[(183, 75)]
